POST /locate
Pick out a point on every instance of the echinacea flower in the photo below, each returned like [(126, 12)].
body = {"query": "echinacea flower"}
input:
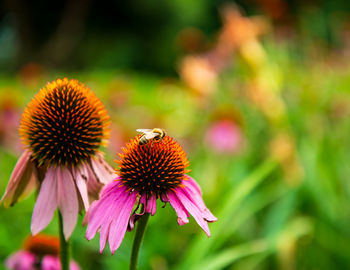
[(40, 252), (155, 170), (62, 128)]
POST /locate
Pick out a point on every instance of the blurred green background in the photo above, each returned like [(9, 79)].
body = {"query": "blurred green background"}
[(256, 91)]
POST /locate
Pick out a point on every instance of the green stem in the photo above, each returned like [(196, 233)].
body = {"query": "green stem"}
[(141, 227), (64, 245)]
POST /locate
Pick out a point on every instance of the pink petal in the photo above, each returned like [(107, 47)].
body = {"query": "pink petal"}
[(113, 210), (104, 235), (143, 199), (67, 201), (79, 174), (190, 182), (192, 190), (20, 180), (50, 262), (111, 187), (151, 205), (96, 214), (98, 209), (193, 208), (180, 210), (46, 202), (103, 171), (120, 222), (21, 260)]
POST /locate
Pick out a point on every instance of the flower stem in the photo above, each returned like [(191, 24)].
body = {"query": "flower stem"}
[(141, 227), (64, 245)]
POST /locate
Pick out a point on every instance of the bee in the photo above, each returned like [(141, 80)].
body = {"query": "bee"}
[(155, 134)]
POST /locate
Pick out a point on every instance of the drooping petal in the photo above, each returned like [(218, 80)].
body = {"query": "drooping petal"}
[(182, 214), (81, 182), (20, 180), (120, 222), (103, 171), (93, 216), (132, 220), (104, 231), (151, 205), (113, 210), (118, 208), (46, 202), (193, 208), (21, 260), (111, 213), (190, 182), (99, 209), (135, 214), (195, 195), (67, 200)]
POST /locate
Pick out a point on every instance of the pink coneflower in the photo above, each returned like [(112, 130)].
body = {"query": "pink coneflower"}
[(62, 128), (151, 171), (39, 253), (224, 136)]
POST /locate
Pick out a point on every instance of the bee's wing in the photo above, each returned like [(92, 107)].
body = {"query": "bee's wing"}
[(150, 135), (144, 130)]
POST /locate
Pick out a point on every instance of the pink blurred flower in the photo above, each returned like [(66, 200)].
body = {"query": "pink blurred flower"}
[(24, 260), (39, 253), (224, 136), (62, 128), (21, 260), (148, 172), (53, 263)]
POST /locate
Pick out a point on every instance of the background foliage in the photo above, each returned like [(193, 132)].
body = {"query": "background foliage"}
[(281, 195)]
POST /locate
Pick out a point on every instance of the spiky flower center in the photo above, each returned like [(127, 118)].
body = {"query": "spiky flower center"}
[(64, 124), (153, 168), (42, 245)]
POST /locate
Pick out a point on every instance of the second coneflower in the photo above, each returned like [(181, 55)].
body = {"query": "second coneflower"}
[(62, 128), (40, 252), (148, 171)]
